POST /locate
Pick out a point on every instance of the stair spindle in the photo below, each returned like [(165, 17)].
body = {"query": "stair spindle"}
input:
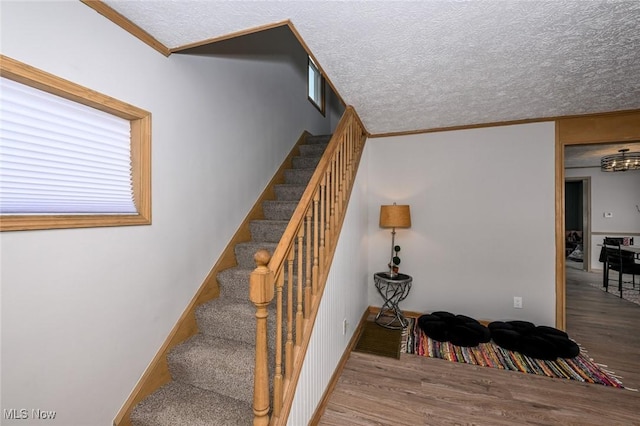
[(277, 379), (307, 269), (288, 359), (299, 315), (314, 271)]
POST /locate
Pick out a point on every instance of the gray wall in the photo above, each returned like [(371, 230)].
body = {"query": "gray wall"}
[(275, 45), (483, 219), (85, 310)]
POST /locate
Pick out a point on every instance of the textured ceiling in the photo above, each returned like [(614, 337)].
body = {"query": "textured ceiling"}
[(409, 66)]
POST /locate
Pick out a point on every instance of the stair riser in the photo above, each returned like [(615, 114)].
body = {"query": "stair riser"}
[(266, 230), (298, 176), (313, 150), (279, 210), (305, 162), (224, 366), (289, 192), (245, 253), (221, 319), (233, 320), (221, 325), (176, 403), (234, 285), (321, 139)]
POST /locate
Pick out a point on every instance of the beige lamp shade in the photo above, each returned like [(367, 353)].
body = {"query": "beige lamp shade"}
[(395, 216)]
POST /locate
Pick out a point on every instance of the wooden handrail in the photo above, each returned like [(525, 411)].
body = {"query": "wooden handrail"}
[(297, 271)]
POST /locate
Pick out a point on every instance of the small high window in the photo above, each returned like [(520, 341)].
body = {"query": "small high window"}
[(316, 86), (69, 157)]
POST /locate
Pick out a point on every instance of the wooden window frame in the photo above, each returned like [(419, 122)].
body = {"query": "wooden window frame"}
[(140, 151), (321, 107)]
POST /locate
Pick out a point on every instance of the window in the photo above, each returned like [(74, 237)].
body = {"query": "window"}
[(316, 86), (69, 157)]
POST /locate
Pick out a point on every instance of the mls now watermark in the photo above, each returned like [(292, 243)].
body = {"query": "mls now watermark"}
[(24, 414)]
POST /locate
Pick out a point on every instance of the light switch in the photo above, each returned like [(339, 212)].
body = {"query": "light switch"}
[(608, 215)]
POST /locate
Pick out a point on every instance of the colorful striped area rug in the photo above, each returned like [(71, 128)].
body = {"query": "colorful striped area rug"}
[(580, 368)]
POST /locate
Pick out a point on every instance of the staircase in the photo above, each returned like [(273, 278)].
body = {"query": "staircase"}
[(212, 371)]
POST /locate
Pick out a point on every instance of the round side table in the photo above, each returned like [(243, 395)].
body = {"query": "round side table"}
[(393, 290)]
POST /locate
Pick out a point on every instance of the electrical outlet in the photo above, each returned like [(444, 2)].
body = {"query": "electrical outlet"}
[(344, 326), (517, 302)]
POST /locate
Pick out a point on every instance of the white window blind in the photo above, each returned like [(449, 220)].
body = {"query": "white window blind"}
[(61, 157)]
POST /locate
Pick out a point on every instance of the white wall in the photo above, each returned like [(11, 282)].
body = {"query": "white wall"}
[(84, 311), (615, 193), (345, 298), (483, 220)]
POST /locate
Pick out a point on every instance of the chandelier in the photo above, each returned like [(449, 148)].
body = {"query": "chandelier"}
[(621, 162)]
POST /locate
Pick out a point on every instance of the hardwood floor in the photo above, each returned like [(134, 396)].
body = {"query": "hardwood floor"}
[(417, 390), (607, 326)]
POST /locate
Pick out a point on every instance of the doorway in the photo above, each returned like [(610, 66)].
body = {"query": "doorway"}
[(577, 224), (584, 130)]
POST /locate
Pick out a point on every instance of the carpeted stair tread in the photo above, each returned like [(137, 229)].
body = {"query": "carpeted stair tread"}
[(279, 210), (267, 230), (215, 364), (289, 192), (298, 176), (180, 404), (246, 251)]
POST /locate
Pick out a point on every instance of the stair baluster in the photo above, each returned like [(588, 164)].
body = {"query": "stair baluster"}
[(299, 314), (307, 269), (277, 379), (314, 271), (289, 348)]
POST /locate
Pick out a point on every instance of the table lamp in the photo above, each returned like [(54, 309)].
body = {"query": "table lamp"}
[(394, 216)]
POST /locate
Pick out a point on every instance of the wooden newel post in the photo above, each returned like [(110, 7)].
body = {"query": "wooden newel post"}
[(261, 292)]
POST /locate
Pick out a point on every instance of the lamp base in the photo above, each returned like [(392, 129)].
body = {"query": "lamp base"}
[(393, 271)]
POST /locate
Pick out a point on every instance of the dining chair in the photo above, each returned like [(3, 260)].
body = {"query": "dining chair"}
[(616, 258)]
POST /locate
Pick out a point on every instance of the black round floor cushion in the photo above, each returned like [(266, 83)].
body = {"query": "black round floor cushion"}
[(460, 330), (540, 342)]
